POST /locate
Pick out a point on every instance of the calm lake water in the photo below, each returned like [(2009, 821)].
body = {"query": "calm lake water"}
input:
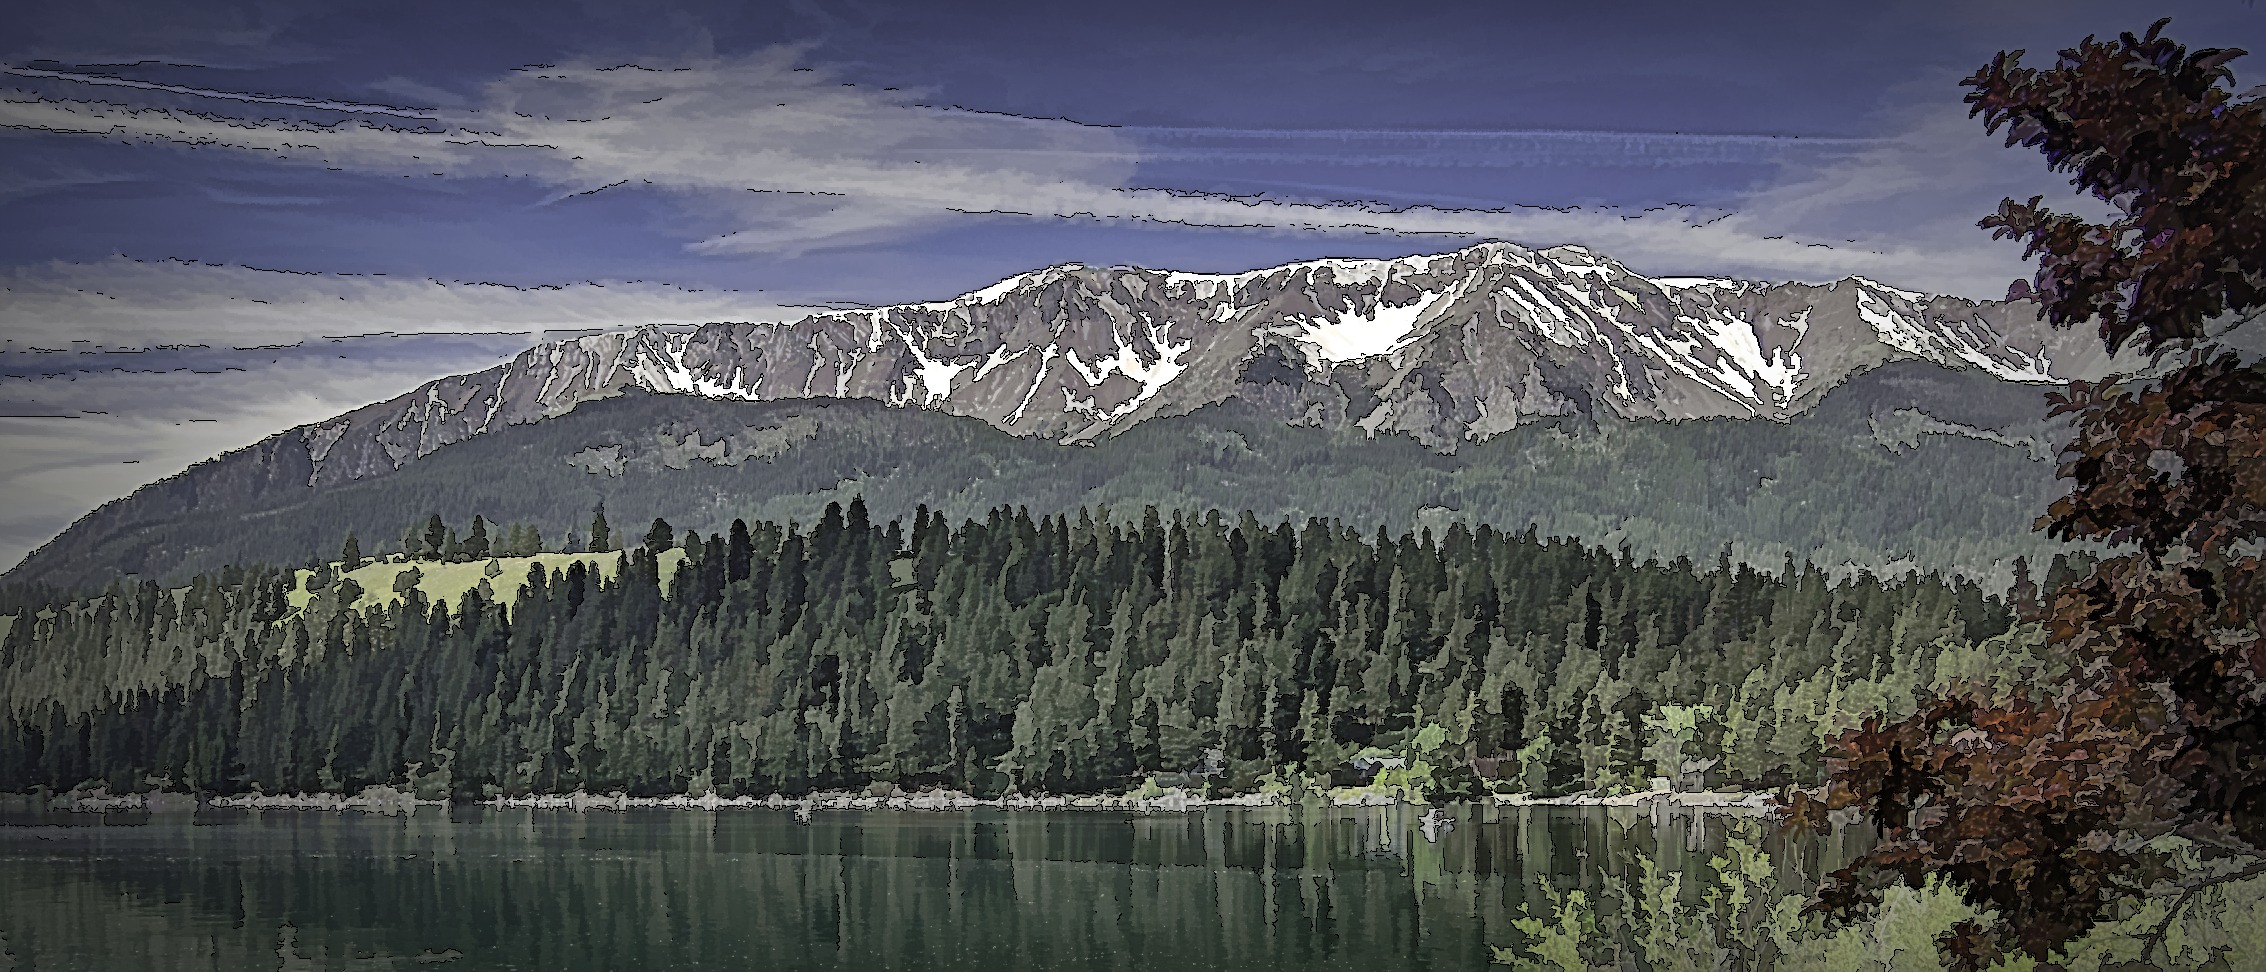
[(476, 888)]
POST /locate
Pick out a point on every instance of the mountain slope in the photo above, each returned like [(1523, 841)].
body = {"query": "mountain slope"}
[(1418, 358), (1945, 495), (1448, 349)]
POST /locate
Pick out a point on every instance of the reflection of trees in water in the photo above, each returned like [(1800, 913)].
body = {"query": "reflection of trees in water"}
[(1289, 887)]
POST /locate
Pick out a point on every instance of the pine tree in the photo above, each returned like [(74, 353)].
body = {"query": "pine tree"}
[(739, 552), (475, 546), (601, 535), (350, 555), (433, 543)]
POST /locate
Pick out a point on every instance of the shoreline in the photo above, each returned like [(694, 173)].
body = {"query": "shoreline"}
[(386, 800)]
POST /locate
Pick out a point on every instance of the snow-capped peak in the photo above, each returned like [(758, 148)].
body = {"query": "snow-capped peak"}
[(1910, 295), (1447, 347), (1700, 283)]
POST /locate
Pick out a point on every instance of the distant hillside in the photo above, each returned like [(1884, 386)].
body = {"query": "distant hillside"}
[(1908, 462)]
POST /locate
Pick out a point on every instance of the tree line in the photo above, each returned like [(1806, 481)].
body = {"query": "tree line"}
[(1057, 653), (433, 539)]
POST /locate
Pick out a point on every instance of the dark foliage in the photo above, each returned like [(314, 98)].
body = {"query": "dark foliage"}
[(2156, 130), (2041, 805), (1049, 653)]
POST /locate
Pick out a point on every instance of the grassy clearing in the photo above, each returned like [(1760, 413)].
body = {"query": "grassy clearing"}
[(446, 581)]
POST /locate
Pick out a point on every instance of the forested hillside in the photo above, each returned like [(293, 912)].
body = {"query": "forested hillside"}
[(1909, 463), (1050, 653)]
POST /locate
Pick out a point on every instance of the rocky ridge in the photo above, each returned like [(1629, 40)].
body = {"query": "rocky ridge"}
[(1447, 348)]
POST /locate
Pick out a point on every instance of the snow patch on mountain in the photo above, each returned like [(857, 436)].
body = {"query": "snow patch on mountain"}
[(1046, 360), (1741, 359), (1353, 335), (1447, 347), (1699, 283), (1910, 296), (663, 369), (935, 376), (1580, 261), (1944, 341), (1152, 376)]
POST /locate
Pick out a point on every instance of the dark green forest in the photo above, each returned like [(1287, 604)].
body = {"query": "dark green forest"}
[(1052, 653)]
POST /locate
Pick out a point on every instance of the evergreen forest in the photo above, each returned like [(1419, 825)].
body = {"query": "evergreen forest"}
[(1058, 654)]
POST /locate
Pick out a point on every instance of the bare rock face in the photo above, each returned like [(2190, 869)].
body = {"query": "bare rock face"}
[(1448, 349)]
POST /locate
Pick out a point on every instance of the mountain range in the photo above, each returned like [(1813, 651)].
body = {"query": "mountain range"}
[(1447, 352)]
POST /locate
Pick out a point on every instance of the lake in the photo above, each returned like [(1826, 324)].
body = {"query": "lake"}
[(479, 888)]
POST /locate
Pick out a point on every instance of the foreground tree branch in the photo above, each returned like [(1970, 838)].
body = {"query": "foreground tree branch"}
[(2040, 805), (2164, 927)]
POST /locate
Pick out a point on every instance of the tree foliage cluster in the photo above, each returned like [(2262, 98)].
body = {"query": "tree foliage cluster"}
[(2052, 809), (434, 539), (1060, 654)]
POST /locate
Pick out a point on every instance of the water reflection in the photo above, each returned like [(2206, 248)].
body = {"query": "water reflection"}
[(476, 888)]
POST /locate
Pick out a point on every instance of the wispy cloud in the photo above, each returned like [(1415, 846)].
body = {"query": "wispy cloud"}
[(1523, 148), (797, 160), (1925, 187), (125, 303), (105, 80)]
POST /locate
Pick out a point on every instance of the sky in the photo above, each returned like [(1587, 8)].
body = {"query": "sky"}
[(226, 219)]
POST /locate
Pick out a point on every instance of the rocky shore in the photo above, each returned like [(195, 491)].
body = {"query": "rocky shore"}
[(388, 800)]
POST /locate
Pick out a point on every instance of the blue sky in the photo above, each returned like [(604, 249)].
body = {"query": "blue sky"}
[(779, 148), (249, 174)]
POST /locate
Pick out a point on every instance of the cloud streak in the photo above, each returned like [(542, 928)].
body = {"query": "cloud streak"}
[(1512, 149), (798, 161), (122, 303), (108, 80)]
